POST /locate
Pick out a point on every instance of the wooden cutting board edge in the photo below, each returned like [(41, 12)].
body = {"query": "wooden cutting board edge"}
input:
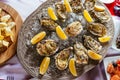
[(10, 52)]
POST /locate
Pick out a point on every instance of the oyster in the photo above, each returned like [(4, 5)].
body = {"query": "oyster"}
[(80, 53), (47, 47), (61, 59), (61, 11), (48, 23), (76, 5), (101, 17), (89, 4), (74, 28), (97, 29), (92, 44)]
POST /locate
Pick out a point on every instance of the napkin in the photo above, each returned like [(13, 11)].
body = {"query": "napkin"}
[(111, 7)]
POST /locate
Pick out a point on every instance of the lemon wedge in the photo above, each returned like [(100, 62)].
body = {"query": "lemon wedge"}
[(38, 37), (72, 67), (67, 5), (51, 13), (87, 16), (104, 39), (94, 55), (99, 8), (44, 65), (61, 34)]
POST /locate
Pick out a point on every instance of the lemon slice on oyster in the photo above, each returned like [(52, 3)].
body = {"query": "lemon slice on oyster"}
[(61, 34), (52, 14), (104, 39), (87, 16), (44, 65), (99, 8), (67, 5), (72, 67), (38, 37), (93, 55)]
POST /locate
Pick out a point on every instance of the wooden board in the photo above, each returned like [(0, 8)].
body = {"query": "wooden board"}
[(17, 19)]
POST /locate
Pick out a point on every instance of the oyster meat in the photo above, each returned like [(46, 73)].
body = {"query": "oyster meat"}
[(80, 53), (62, 58), (101, 17), (48, 23), (92, 44), (47, 47), (76, 5), (89, 4), (61, 11), (97, 29), (74, 28)]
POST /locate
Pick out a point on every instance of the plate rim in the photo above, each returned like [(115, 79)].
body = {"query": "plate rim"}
[(108, 60)]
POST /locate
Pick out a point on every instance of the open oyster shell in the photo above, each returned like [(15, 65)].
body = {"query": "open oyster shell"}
[(80, 53), (61, 11), (101, 17), (74, 28), (47, 47), (92, 44), (89, 4), (48, 23), (62, 58), (76, 5), (97, 29)]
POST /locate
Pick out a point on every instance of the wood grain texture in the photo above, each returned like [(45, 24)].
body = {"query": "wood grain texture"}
[(17, 19)]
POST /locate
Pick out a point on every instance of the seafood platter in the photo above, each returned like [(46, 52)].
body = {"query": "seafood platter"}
[(64, 39)]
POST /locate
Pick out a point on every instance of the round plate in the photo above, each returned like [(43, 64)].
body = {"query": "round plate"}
[(17, 19), (31, 60)]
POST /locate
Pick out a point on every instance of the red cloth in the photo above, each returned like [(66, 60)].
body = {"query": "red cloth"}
[(111, 7)]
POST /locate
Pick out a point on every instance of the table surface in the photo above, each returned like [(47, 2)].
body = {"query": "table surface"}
[(14, 68)]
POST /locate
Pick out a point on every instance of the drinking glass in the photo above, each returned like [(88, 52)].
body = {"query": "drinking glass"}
[(117, 8)]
